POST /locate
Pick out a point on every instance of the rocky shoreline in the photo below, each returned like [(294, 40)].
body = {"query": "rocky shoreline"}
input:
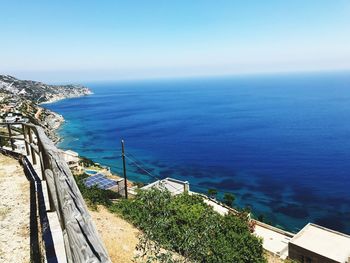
[(59, 97), (55, 120), (52, 123), (52, 120)]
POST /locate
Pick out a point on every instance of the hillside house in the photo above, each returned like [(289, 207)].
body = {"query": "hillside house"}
[(314, 244), (11, 119), (20, 146), (174, 186)]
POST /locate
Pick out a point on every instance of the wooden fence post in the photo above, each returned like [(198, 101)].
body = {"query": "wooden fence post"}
[(41, 157), (10, 135), (25, 139), (31, 145)]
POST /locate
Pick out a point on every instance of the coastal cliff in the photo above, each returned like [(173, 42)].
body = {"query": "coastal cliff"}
[(24, 97)]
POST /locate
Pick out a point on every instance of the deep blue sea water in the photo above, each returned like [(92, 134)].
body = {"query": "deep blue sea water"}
[(280, 143)]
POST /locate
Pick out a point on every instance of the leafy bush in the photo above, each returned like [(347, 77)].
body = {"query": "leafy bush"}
[(139, 184), (94, 195), (86, 161), (212, 193), (188, 226), (229, 199)]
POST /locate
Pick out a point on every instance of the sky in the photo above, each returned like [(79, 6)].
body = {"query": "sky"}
[(110, 40)]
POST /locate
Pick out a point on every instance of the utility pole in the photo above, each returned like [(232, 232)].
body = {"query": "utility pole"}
[(124, 171)]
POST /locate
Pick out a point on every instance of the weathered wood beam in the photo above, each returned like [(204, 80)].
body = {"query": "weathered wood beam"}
[(10, 136), (26, 142), (84, 242)]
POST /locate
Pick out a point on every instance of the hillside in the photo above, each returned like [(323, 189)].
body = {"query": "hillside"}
[(39, 92), (20, 99)]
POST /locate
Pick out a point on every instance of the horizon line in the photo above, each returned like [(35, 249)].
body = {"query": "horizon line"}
[(177, 76)]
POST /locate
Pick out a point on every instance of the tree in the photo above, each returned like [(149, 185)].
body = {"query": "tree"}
[(212, 192), (261, 218), (229, 199)]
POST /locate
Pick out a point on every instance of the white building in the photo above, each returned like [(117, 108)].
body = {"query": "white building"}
[(10, 119), (20, 146), (174, 186)]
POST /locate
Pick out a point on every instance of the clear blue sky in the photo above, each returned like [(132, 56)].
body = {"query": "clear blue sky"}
[(95, 40)]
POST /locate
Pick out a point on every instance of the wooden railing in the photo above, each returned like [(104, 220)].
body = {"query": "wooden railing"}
[(81, 240)]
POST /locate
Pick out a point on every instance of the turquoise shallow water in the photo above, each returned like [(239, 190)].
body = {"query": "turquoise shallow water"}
[(280, 143)]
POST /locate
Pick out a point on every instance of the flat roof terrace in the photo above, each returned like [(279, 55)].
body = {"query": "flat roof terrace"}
[(323, 241), (174, 186), (274, 240)]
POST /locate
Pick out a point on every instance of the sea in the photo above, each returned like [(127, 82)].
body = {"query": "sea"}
[(280, 143)]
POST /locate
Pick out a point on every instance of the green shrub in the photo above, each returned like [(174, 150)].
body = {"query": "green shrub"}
[(212, 193), (86, 161), (188, 226), (229, 199), (139, 184)]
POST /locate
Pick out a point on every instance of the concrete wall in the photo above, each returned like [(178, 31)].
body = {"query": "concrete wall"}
[(302, 255)]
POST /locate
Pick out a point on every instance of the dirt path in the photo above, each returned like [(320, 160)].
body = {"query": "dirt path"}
[(14, 212), (37, 114), (119, 237), (273, 258)]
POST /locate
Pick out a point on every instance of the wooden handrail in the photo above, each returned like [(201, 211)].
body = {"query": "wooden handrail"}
[(82, 242)]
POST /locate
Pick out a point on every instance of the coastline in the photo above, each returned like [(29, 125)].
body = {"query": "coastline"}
[(57, 121), (54, 119), (62, 97)]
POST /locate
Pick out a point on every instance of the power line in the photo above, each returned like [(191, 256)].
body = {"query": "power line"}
[(149, 173), (136, 159), (135, 162)]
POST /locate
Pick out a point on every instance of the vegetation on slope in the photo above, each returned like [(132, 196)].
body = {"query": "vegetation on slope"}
[(187, 225), (183, 224)]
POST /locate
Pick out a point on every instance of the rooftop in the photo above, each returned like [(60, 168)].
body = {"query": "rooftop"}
[(323, 241), (274, 240), (172, 185)]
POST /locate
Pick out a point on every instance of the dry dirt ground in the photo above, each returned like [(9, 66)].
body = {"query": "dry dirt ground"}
[(119, 236), (14, 212), (274, 259)]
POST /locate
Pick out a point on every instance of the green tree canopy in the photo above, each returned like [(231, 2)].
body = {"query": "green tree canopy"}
[(229, 199), (212, 192)]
